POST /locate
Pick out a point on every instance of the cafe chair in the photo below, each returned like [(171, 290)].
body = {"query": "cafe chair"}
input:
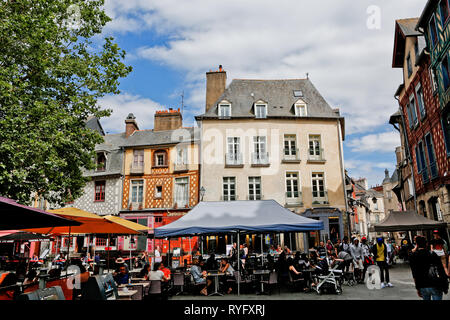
[(241, 280), (273, 280), (178, 280), (155, 289), (295, 284)]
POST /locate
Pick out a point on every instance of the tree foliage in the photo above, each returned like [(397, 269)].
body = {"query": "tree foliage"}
[(54, 65)]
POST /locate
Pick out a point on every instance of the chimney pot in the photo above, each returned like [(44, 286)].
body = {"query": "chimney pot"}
[(130, 125), (215, 86)]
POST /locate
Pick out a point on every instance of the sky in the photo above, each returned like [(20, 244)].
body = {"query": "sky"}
[(345, 46)]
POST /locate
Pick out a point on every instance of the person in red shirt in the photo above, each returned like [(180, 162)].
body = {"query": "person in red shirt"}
[(165, 270)]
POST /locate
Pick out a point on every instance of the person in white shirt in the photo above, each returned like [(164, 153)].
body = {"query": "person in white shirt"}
[(156, 274), (158, 258), (357, 254)]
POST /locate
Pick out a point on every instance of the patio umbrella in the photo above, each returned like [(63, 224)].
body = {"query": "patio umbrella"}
[(16, 216), (23, 236)]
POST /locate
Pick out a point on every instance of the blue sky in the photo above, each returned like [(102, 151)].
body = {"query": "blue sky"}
[(345, 46)]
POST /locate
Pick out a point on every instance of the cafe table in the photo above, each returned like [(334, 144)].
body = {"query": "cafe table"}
[(308, 277), (215, 275), (126, 294), (261, 273)]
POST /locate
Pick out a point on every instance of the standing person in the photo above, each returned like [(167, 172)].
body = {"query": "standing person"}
[(329, 246), (158, 258), (337, 246), (344, 246), (357, 254), (428, 273), (439, 246), (379, 251), (321, 250), (367, 260)]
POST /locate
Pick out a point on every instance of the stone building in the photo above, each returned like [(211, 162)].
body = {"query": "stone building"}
[(274, 139)]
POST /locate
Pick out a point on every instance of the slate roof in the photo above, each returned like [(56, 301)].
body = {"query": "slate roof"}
[(114, 155), (408, 27), (279, 95), (153, 138)]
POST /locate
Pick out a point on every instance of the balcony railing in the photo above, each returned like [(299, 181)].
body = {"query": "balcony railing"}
[(137, 168), (294, 198), (234, 159), (179, 167), (291, 157), (320, 200), (316, 157), (260, 158), (229, 198), (434, 170), (255, 197)]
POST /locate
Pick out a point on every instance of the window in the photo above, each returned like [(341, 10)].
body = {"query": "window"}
[(410, 186), (138, 158), (375, 205), (421, 162), (254, 188), (433, 79), (261, 111), (234, 150), (182, 155), (446, 128), (158, 192), (224, 110), (292, 186), (389, 194), (445, 72), (100, 190), (318, 187), (181, 192), (412, 106), (315, 151), (444, 10), (160, 159), (433, 32), (137, 191), (416, 48), (158, 219), (229, 188), (260, 155), (409, 64), (290, 149), (101, 161), (420, 101), (431, 156), (100, 242), (300, 109)]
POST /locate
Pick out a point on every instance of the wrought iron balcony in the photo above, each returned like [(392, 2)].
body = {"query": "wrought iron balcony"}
[(260, 159), (295, 157), (320, 200), (234, 160), (316, 157), (294, 198)]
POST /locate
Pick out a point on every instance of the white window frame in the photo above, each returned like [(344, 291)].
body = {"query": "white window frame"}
[(137, 194), (234, 145), (291, 140), (138, 158), (157, 194), (420, 100), (181, 205), (221, 107), (325, 196), (260, 145), (297, 105), (315, 138), (183, 159), (289, 183), (252, 182), (227, 195), (260, 104), (413, 105)]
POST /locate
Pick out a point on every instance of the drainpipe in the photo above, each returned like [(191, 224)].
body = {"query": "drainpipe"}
[(408, 156), (341, 161)]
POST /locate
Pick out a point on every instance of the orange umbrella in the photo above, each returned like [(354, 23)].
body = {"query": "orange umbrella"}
[(90, 223)]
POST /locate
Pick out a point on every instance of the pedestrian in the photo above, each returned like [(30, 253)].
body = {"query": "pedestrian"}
[(367, 260), (357, 254), (345, 245), (379, 251), (439, 246), (158, 258), (428, 273)]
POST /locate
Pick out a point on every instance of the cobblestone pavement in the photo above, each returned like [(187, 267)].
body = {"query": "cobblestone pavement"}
[(400, 276)]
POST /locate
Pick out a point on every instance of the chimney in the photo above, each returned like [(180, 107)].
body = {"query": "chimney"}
[(130, 125), (216, 82), (168, 120)]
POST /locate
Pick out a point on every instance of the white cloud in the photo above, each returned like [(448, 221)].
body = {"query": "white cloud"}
[(349, 64), (123, 104), (373, 171), (384, 142)]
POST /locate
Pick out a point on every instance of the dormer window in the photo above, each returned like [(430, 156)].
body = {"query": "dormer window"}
[(261, 110), (300, 108), (160, 158), (101, 161), (224, 109)]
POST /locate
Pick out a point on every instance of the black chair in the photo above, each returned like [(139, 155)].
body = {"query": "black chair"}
[(296, 284), (273, 280), (155, 290)]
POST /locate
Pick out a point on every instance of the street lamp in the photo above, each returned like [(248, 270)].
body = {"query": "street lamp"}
[(202, 193)]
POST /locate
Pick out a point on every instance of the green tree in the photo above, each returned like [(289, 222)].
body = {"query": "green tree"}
[(52, 73)]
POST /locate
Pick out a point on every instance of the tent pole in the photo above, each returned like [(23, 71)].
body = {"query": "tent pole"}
[(168, 257), (68, 248), (129, 246), (108, 253), (239, 265), (262, 251), (190, 249), (290, 241)]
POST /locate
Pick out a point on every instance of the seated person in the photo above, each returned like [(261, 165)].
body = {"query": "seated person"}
[(226, 268), (200, 276), (211, 263), (119, 263), (145, 271), (295, 274), (157, 274), (303, 262), (270, 262), (122, 277), (165, 270)]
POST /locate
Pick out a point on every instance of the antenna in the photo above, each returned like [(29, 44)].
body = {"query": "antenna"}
[(182, 102)]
